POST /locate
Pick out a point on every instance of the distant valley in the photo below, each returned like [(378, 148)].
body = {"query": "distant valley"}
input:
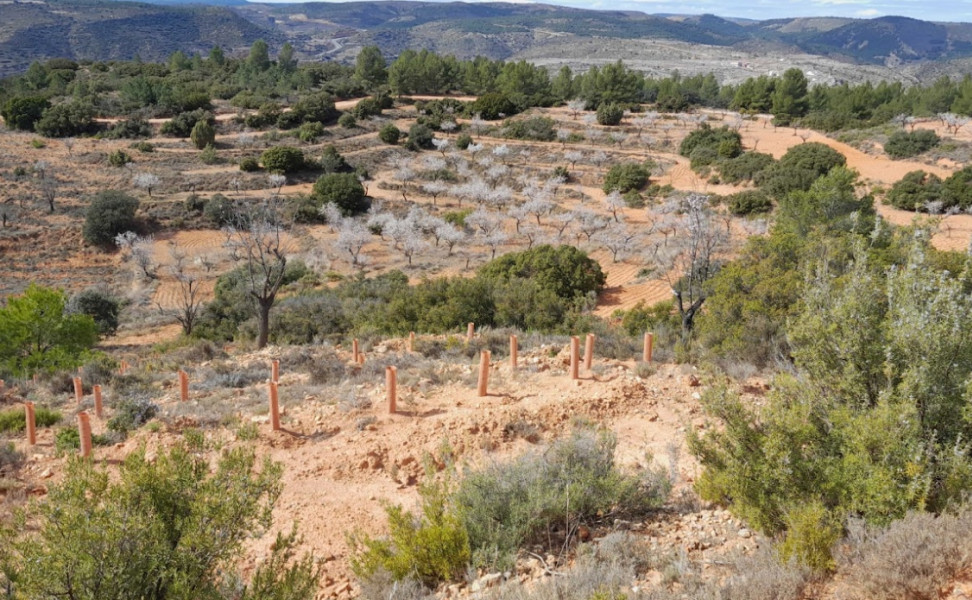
[(829, 49)]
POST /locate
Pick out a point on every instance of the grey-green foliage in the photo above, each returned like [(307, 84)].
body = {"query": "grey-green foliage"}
[(169, 528), (506, 505), (875, 422)]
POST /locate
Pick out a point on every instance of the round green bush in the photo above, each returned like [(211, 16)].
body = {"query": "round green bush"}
[(342, 189), (111, 212), (282, 159), (419, 137), (902, 144), (249, 164), (626, 177), (609, 114), (101, 307), (390, 134), (749, 202), (203, 134)]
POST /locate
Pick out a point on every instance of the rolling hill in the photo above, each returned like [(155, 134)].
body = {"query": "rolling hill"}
[(107, 29)]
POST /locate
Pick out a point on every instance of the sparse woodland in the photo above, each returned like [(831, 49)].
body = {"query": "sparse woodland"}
[(797, 425)]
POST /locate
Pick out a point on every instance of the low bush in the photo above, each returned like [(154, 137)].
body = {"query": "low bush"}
[(389, 134), (282, 159), (626, 177), (915, 557), (130, 129), (749, 202), (101, 306), (541, 129), (609, 114), (249, 164), (541, 498), (431, 547), (903, 144), (131, 413), (14, 420), (119, 158), (110, 213)]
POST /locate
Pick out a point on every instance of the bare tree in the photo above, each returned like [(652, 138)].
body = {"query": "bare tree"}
[(256, 240), (693, 259), (48, 188), (494, 240), (576, 107), (589, 223), (352, 238), (138, 249), (69, 145), (404, 174), (276, 182), (434, 189), (449, 235), (190, 300), (145, 181), (615, 205), (617, 239)]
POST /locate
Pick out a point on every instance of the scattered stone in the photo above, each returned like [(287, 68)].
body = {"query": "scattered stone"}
[(744, 533), (486, 581)]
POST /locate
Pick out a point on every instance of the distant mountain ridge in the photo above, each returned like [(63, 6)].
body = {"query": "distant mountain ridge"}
[(109, 29)]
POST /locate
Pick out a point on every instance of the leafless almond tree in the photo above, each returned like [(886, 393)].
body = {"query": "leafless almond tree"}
[(190, 300), (256, 241)]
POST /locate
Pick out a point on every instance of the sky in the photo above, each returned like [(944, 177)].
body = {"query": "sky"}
[(930, 10)]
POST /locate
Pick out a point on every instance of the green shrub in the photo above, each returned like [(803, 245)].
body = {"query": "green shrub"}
[(309, 132), (130, 129), (641, 317), (343, 190), (389, 134), (366, 107), (282, 159), (132, 413), (903, 144), (811, 534), (348, 121), (463, 141), (492, 106), (142, 146), (506, 506), (457, 218), (23, 113), (749, 202), (67, 120), (541, 129), (119, 158), (564, 270), (419, 137), (915, 191), (220, 210), (249, 164), (609, 114), (38, 334), (208, 156), (184, 526), (723, 142), (14, 420), (626, 177), (110, 213), (100, 306), (744, 167), (182, 124), (203, 134), (333, 162), (431, 547)]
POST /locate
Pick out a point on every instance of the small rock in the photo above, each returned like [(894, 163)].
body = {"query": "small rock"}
[(486, 581), (744, 533), (692, 381), (47, 474)]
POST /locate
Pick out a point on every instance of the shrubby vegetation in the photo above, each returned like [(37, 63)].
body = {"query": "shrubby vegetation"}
[(172, 527), (494, 511), (110, 213), (544, 289), (904, 144), (39, 334)]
